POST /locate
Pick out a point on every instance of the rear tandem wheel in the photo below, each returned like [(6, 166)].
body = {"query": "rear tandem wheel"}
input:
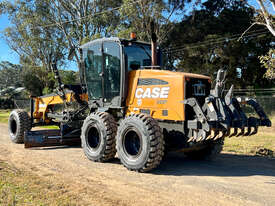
[(140, 143)]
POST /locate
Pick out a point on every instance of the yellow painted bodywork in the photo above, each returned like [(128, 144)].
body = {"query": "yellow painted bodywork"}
[(173, 103), (43, 103)]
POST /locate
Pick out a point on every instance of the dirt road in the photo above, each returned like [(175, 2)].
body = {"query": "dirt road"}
[(229, 180)]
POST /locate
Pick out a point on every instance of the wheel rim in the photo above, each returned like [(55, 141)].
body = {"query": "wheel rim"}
[(13, 126), (132, 142), (93, 137)]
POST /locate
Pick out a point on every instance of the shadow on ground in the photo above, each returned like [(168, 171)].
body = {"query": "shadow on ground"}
[(223, 165), (56, 147)]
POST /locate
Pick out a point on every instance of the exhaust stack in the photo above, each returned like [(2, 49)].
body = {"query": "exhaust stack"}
[(153, 45)]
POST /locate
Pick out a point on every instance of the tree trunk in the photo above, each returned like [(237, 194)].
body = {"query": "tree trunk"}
[(268, 21)]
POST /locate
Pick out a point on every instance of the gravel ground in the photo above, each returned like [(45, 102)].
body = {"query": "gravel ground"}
[(231, 179)]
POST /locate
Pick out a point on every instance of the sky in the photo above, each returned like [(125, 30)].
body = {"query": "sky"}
[(6, 54)]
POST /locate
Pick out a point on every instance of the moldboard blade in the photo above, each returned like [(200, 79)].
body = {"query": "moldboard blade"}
[(47, 138)]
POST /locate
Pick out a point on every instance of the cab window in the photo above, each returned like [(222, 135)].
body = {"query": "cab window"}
[(137, 56), (112, 67), (93, 70)]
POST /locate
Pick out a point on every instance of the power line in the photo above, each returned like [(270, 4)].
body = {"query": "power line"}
[(218, 39), (207, 43), (215, 43), (84, 17), (172, 49)]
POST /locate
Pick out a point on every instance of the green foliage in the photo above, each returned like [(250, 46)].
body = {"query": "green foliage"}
[(68, 77), (40, 36), (39, 81), (40, 45), (36, 80), (32, 82), (207, 41), (10, 75), (194, 43), (137, 17), (4, 115), (268, 62), (94, 21), (6, 103)]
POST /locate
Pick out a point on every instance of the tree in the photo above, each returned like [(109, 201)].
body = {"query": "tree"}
[(32, 83), (44, 31), (83, 20), (268, 19), (268, 62), (264, 17), (10, 75), (28, 38), (207, 41), (137, 16), (39, 81)]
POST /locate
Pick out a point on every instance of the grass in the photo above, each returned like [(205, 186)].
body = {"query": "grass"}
[(250, 145), (4, 116), (22, 188), (264, 139), (50, 127)]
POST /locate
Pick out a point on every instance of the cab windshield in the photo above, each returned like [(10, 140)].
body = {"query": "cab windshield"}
[(137, 56)]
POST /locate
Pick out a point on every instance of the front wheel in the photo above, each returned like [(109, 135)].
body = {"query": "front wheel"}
[(19, 123), (140, 143), (98, 136)]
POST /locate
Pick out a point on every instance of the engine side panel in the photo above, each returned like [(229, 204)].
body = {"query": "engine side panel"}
[(158, 93), (155, 92)]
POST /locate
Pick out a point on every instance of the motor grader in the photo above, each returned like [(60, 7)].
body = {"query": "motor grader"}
[(129, 104)]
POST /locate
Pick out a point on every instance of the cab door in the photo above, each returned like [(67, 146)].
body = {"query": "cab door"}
[(112, 73), (94, 71)]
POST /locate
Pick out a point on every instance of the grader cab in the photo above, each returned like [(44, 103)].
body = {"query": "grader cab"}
[(129, 106)]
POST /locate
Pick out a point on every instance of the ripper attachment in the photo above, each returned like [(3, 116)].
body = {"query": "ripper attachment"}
[(222, 116)]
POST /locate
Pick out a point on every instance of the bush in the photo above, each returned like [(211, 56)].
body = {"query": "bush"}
[(6, 103), (39, 81), (32, 83)]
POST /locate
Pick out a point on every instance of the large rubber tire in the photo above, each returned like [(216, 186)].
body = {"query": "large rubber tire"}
[(98, 137), (140, 143), (19, 123), (207, 152)]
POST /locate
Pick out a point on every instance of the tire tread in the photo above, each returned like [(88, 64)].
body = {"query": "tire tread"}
[(111, 129), (156, 141)]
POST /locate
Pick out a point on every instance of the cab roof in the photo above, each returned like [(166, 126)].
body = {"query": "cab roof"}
[(114, 39)]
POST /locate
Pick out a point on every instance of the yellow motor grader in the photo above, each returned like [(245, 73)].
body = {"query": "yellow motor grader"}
[(127, 105)]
